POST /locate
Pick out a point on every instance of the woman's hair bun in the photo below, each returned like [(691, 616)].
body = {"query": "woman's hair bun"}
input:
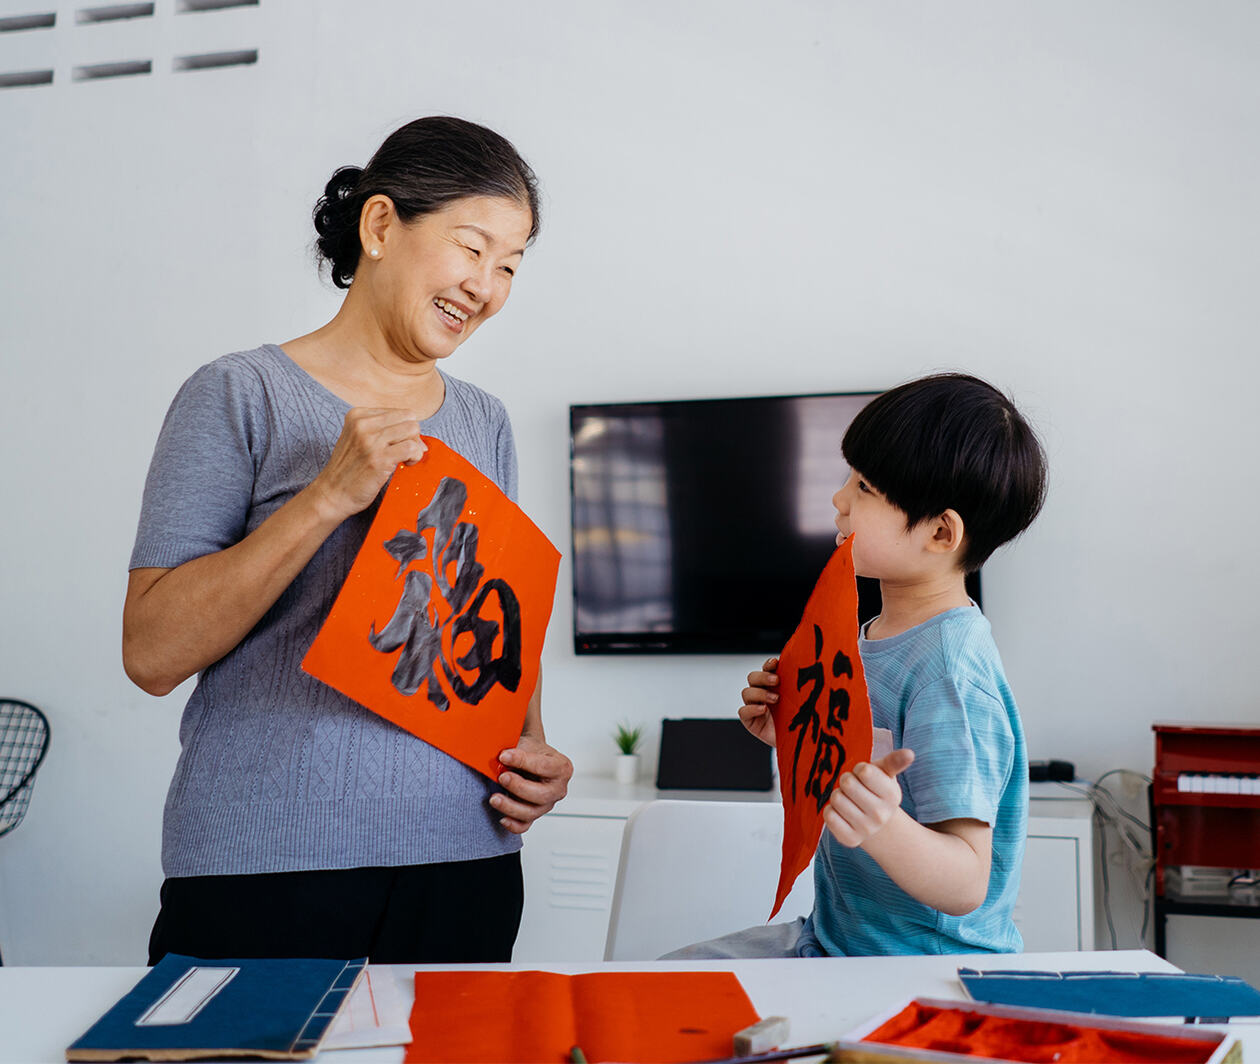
[(337, 223)]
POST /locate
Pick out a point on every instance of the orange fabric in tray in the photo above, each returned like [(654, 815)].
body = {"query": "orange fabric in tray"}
[(529, 1017), (974, 1034)]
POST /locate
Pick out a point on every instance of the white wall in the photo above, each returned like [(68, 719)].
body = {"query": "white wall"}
[(741, 198)]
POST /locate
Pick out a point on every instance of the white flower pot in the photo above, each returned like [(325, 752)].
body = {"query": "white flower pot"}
[(626, 768)]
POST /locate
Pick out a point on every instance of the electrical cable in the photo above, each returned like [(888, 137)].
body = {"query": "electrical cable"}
[(1108, 812), (1146, 908), (1106, 881), (1094, 790), (1124, 772)]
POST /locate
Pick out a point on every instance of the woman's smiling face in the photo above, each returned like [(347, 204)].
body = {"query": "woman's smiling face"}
[(436, 279)]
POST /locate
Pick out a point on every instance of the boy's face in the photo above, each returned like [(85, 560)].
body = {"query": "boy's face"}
[(883, 548)]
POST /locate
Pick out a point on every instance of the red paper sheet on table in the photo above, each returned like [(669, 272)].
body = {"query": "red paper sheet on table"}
[(527, 1017), (822, 721), (439, 626)]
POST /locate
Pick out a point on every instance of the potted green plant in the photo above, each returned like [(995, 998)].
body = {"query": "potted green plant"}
[(627, 738)]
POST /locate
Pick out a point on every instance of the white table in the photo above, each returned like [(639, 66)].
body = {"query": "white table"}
[(42, 1010)]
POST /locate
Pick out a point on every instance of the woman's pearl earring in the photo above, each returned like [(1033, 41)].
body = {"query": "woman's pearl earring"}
[(375, 253)]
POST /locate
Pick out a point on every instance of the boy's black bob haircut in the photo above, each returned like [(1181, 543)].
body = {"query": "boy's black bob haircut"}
[(952, 442)]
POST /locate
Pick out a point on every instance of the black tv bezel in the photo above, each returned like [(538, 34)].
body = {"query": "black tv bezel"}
[(669, 643)]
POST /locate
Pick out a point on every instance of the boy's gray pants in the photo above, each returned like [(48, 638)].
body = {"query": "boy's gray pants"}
[(767, 940)]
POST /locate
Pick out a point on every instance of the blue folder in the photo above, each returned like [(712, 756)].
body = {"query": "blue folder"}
[(1200, 997), (187, 1007)]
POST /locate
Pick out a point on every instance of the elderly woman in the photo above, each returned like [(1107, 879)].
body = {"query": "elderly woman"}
[(298, 823)]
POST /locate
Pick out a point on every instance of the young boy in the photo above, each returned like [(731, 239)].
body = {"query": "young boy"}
[(923, 845)]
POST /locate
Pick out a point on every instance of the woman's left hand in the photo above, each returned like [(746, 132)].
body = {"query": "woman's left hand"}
[(537, 777)]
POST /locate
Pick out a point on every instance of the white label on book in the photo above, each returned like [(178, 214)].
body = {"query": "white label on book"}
[(187, 996)]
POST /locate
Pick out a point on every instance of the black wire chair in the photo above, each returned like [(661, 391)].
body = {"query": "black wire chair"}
[(24, 735)]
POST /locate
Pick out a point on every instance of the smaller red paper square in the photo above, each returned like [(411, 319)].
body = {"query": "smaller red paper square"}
[(440, 623), (822, 721)]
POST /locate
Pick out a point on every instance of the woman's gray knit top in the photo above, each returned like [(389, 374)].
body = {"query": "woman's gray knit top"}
[(278, 772)]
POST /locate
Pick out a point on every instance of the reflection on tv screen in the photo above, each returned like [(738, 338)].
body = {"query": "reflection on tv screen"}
[(701, 526)]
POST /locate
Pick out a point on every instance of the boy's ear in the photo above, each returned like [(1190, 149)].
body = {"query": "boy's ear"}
[(948, 533)]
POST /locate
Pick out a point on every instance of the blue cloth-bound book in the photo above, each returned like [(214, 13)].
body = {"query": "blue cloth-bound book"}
[(186, 1008), (1201, 997)]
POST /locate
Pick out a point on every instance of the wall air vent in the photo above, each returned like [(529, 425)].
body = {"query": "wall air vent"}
[(216, 59), (185, 6), (14, 23), (18, 78), (90, 40), (113, 13), (126, 68)]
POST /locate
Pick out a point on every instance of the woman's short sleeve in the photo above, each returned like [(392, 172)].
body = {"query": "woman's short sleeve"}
[(505, 456), (199, 490)]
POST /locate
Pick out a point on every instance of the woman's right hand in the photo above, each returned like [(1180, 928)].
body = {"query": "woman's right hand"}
[(760, 697), (178, 621), (372, 444)]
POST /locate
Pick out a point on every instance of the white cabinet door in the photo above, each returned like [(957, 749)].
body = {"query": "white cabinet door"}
[(1048, 910), (570, 868)]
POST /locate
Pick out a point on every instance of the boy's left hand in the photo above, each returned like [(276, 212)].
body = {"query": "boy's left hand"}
[(866, 798)]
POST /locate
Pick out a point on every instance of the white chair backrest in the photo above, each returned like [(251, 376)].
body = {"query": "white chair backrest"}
[(694, 870)]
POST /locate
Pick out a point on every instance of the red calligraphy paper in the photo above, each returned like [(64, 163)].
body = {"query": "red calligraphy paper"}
[(439, 625), (822, 721), (527, 1017)]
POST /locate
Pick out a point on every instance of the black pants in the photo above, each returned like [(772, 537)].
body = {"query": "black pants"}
[(451, 913)]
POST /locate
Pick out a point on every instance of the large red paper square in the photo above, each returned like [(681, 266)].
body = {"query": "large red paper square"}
[(439, 626)]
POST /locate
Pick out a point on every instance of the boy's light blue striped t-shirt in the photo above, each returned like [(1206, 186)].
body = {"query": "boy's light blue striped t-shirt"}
[(940, 689)]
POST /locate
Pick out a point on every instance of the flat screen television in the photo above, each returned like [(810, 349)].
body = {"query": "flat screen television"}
[(700, 526)]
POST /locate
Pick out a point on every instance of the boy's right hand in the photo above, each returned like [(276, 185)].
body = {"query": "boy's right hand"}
[(760, 697), (866, 798)]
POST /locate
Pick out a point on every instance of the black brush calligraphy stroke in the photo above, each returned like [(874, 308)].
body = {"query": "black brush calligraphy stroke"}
[(441, 515), (454, 545), (411, 629), (462, 553), (837, 714), (506, 668), (837, 710), (406, 547), (829, 752), (808, 713), (825, 773)]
